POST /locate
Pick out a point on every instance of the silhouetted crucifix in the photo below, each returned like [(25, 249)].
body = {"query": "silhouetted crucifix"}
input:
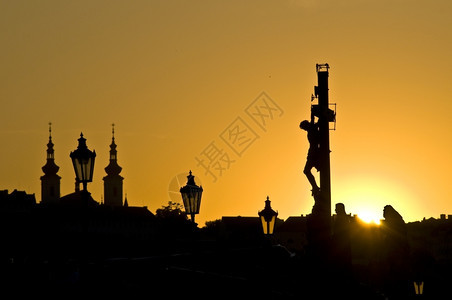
[(313, 159), (319, 145)]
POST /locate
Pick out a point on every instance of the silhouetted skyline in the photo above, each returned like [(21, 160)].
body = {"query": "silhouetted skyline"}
[(77, 246)]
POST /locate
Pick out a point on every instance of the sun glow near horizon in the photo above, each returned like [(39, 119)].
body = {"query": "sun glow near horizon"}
[(369, 217), (367, 197)]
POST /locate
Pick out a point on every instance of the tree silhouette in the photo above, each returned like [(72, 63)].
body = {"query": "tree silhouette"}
[(172, 221), (171, 211)]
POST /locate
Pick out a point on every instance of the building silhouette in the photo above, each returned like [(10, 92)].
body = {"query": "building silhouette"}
[(113, 181), (50, 181), (16, 201)]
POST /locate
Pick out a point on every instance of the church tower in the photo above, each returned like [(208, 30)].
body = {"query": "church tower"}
[(113, 181), (50, 181)]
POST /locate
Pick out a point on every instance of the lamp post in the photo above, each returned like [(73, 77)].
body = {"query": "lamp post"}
[(268, 218), (83, 162), (419, 287), (191, 195)]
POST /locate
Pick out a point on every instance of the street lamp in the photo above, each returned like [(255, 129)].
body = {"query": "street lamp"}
[(268, 218), (419, 287), (83, 161), (191, 195)]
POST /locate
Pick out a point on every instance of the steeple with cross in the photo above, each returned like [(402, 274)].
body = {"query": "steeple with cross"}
[(50, 181), (113, 181)]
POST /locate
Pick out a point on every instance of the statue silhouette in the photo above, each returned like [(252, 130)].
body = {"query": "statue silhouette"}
[(394, 234), (341, 248), (395, 252), (312, 160)]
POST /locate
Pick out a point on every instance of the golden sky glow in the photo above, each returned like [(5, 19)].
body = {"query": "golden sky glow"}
[(174, 75)]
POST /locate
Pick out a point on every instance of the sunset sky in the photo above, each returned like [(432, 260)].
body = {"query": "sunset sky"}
[(176, 77)]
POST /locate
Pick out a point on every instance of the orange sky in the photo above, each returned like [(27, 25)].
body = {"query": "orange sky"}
[(174, 75)]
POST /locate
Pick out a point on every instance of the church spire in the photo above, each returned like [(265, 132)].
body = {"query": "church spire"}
[(113, 132), (113, 168), (113, 181), (50, 150), (50, 181), (126, 203), (50, 168)]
